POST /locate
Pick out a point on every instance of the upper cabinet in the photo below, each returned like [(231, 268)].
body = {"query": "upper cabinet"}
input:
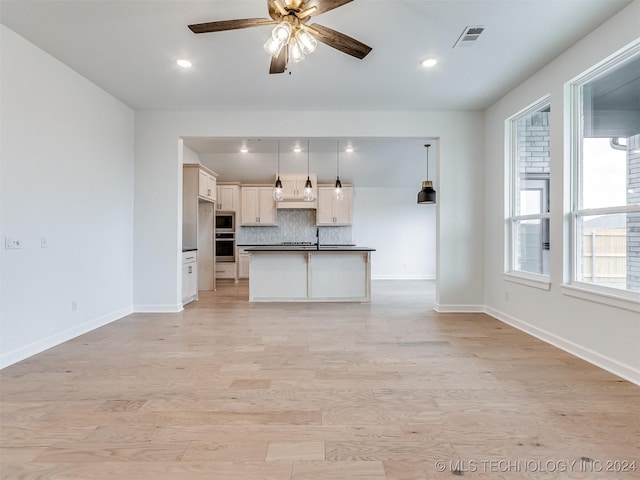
[(228, 198), (293, 190), (258, 207), (206, 184), (332, 212)]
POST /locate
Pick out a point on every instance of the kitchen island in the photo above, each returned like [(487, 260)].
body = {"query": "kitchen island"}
[(330, 273)]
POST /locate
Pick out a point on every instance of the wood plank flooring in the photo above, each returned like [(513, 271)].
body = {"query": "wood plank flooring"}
[(390, 390)]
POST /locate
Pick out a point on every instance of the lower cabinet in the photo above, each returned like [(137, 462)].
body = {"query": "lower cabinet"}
[(189, 277), (243, 263), (226, 270)]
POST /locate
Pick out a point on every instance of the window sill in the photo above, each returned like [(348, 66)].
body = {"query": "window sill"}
[(529, 279), (622, 299)]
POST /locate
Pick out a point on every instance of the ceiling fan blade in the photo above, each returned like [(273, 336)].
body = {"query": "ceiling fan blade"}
[(324, 5), (278, 65), (229, 25), (339, 41)]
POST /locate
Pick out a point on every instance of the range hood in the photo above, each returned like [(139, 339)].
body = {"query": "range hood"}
[(291, 204), (293, 185)]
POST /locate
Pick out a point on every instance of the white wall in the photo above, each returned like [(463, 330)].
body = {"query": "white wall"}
[(66, 173), (459, 210), (402, 232), (189, 156), (604, 335)]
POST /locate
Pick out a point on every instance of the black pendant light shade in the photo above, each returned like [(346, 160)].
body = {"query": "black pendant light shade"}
[(309, 194), (337, 190), (278, 196), (427, 194)]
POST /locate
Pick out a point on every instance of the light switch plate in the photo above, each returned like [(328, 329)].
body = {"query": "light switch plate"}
[(12, 243)]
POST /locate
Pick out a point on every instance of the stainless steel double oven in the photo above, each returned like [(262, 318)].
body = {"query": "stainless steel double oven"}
[(225, 237)]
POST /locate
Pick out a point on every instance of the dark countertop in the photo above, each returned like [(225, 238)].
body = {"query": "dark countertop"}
[(309, 248), (281, 245)]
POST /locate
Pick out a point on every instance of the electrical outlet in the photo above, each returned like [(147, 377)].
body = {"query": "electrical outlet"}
[(506, 296), (44, 242), (12, 243), (74, 305)]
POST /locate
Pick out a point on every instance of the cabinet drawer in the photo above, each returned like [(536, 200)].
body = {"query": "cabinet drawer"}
[(226, 270), (189, 257)]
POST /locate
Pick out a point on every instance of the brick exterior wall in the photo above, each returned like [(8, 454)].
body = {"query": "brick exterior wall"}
[(533, 163), (533, 144), (633, 220)]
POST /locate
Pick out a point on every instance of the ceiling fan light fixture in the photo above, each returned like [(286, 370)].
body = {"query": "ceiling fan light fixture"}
[(273, 46), (282, 32), (306, 41), (295, 51)]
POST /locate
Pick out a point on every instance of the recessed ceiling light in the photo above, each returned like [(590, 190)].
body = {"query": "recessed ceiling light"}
[(183, 63), (429, 62)]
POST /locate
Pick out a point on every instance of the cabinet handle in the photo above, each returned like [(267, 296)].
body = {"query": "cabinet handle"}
[(190, 269)]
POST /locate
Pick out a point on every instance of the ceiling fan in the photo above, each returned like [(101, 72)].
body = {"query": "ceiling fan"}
[(293, 38)]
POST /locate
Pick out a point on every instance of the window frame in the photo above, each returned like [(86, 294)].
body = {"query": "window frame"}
[(621, 298), (531, 279)]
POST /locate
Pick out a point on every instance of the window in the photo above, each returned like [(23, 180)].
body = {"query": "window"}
[(605, 129), (528, 212)]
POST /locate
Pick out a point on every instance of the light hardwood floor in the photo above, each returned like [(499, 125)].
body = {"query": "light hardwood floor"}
[(388, 390)]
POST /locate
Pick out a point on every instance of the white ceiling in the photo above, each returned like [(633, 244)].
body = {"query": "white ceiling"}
[(129, 48)]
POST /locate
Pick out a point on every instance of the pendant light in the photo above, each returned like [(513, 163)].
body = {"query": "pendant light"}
[(309, 194), (338, 194), (427, 194), (278, 196)]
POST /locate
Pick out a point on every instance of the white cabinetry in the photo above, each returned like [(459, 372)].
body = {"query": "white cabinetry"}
[(258, 207), (198, 203), (226, 270), (243, 263), (189, 277), (334, 212), (228, 198), (207, 184)]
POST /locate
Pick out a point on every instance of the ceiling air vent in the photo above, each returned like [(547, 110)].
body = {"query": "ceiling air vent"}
[(469, 36)]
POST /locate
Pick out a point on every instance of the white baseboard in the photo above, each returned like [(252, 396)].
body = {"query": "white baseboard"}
[(43, 344), (459, 308), (403, 277), (606, 363), (158, 308)]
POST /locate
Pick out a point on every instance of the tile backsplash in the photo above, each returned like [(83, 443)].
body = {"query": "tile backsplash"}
[(294, 225)]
